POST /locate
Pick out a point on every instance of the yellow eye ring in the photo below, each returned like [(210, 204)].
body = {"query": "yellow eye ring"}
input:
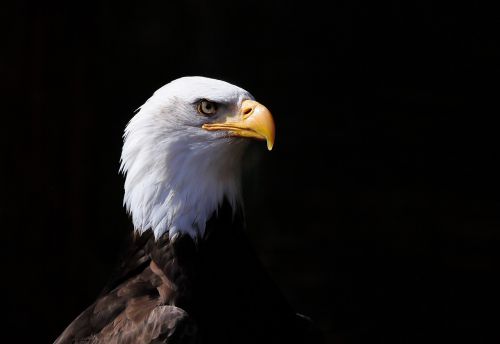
[(207, 108)]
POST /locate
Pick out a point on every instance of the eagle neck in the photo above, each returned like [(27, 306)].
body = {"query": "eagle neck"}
[(182, 185)]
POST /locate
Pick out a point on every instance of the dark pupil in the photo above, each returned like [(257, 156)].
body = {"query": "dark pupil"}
[(208, 106)]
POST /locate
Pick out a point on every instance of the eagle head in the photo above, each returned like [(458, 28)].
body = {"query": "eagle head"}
[(183, 150)]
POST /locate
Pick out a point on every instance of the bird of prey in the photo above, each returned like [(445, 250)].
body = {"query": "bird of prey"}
[(191, 276)]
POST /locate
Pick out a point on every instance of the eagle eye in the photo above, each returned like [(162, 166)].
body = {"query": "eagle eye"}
[(206, 107)]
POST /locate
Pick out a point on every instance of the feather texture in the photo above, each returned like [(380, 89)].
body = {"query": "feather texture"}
[(184, 291)]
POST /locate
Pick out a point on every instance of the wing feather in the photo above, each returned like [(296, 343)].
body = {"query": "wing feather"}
[(140, 306)]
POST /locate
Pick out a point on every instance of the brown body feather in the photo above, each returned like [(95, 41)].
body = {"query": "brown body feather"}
[(181, 291), (142, 305)]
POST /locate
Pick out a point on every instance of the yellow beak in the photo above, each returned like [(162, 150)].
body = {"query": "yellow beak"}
[(253, 121)]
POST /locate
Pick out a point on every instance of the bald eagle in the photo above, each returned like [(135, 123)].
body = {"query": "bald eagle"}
[(191, 275)]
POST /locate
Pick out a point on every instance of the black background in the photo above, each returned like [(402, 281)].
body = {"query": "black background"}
[(377, 213)]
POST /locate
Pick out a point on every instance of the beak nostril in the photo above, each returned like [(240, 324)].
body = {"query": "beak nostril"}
[(247, 111)]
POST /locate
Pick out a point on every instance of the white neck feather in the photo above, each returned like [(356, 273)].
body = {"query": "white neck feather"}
[(176, 181)]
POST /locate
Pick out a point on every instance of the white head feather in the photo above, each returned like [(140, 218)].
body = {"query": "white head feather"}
[(177, 174)]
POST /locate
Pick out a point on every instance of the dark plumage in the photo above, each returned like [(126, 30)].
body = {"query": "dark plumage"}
[(181, 291)]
